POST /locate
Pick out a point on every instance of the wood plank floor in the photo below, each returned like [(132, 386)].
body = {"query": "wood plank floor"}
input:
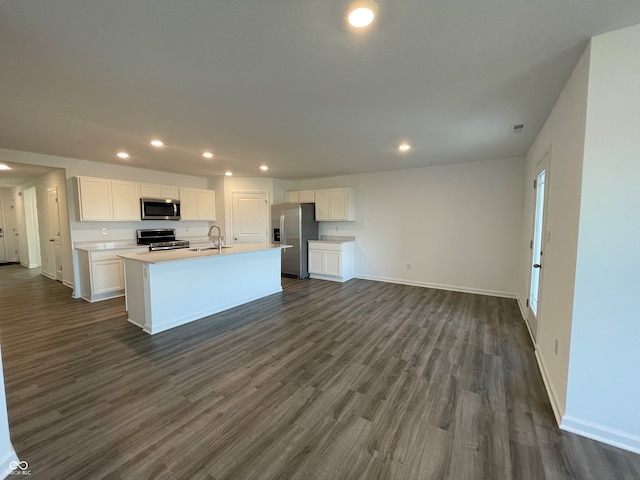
[(361, 380)]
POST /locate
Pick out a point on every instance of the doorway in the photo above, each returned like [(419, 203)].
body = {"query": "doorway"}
[(541, 192), (249, 217), (31, 226)]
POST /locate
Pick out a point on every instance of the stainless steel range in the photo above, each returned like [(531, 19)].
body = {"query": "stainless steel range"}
[(160, 239)]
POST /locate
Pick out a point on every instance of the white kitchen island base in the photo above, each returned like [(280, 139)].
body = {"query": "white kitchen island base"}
[(168, 289)]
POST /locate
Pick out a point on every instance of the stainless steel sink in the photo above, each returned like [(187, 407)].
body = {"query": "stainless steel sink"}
[(202, 249)]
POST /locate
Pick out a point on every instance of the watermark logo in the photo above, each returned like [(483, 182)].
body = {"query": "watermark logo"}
[(20, 468)]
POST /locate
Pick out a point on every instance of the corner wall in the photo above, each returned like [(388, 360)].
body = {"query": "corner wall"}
[(604, 373), (563, 135), (456, 226)]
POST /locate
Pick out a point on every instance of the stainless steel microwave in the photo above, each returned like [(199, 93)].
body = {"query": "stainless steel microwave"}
[(159, 209)]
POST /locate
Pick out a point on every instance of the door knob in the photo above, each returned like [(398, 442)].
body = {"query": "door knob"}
[(537, 265)]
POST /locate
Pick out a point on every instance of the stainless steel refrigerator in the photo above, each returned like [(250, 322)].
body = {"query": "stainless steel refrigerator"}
[(294, 224)]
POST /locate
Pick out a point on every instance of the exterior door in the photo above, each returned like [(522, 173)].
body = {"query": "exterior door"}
[(54, 232), (540, 189), (249, 217)]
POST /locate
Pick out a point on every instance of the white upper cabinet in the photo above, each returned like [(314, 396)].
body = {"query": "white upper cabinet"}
[(151, 190), (126, 200), (105, 199), (94, 198), (197, 204), (303, 196), (307, 196), (335, 204)]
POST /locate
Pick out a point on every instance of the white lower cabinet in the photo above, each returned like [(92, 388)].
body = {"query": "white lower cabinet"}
[(102, 273), (332, 260)]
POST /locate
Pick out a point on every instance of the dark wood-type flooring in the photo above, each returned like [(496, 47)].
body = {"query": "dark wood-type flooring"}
[(362, 380)]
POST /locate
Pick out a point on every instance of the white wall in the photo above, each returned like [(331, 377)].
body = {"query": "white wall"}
[(604, 373), (7, 453), (563, 133), (458, 226)]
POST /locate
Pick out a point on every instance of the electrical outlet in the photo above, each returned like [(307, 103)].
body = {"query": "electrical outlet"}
[(556, 347), (104, 231)]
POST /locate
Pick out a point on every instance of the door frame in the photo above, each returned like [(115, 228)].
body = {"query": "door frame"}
[(544, 163)]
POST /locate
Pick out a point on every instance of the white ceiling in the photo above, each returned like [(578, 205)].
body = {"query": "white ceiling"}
[(285, 82), (21, 173)]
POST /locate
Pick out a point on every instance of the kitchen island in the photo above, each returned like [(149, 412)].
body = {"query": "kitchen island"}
[(166, 289)]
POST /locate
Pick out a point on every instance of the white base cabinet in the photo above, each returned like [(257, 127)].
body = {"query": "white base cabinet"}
[(102, 273), (332, 260)]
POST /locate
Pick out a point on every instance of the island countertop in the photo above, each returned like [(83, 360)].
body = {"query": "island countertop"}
[(196, 253)]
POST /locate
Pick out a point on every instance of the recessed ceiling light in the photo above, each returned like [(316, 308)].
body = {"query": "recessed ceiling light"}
[(123, 154), (207, 155), (264, 168), (157, 143), (361, 17), (228, 174), (4, 167), (404, 147)]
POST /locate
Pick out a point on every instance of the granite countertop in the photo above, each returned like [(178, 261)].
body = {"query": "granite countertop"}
[(192, 254)]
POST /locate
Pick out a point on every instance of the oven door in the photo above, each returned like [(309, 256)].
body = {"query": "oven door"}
[(159, 209)]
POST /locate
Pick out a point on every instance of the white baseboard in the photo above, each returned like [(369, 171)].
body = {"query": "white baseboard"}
[(6, 459), (438, 286), (52, 277), (610, 436), (551, 391), (523, 312)]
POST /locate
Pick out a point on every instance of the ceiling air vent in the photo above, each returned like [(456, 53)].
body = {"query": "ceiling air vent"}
[(517, 128)]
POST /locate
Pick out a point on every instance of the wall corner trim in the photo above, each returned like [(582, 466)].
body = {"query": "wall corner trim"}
[(601, 433)]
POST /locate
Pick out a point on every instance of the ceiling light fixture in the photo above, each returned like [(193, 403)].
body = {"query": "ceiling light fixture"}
[(264, 168), (207, 155), (157, 143), (362, 15), (4, 167), (123, 154), (228, 173), (404, 147)]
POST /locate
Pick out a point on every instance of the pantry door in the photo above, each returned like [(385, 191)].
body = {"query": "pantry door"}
[(249, 217)]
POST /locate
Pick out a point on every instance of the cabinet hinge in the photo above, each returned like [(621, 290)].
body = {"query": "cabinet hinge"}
[(535, 183), (531, 245), (527, 302)]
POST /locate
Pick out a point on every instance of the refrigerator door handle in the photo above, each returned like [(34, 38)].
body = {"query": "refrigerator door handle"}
[(282, 232)]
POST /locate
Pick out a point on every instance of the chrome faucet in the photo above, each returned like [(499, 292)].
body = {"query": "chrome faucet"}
[(219, 242)]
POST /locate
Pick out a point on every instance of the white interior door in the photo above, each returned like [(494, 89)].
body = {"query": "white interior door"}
[(54, 231), (11, 233), (3, 251), (541, 188), (249, 217)]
